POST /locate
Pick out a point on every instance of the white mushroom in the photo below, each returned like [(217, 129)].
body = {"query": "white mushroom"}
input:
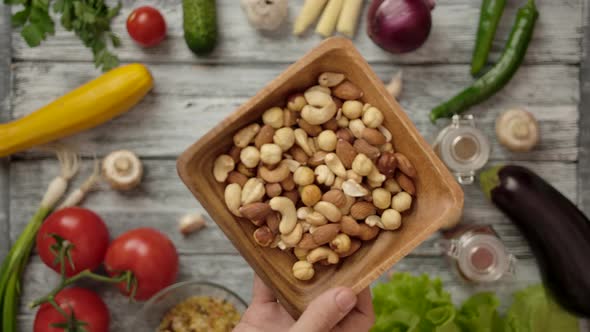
[(122, 170), (265, 14), (517, 130)]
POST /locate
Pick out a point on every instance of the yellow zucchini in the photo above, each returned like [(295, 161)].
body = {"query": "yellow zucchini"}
[(90, 105)]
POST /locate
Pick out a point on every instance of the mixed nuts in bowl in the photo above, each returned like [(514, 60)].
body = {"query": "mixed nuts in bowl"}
[(328, 155), (318, 177)]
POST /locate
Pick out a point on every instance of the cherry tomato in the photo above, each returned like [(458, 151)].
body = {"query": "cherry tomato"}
[(149, 254), (146, 26), (84, 229), (86, 306)]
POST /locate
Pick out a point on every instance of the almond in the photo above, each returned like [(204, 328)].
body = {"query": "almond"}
[(347, 91), (361, 210), (288, 184), (317, 159), (373, 136), (264, 136), (387, 164), (237, 177), (406, 183), (290, 118), (335, 197), (332, 125), (326, 233), (346, 152), (405, 165), (307, 242), (273, 189), (369, 150), (338, 102), (298, 154), (272, 221), (311, 130), (256, 211), (234, 153), (293, 195), (345, 134)]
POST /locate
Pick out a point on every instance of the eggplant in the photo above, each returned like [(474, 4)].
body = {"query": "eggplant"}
[(556, 230)]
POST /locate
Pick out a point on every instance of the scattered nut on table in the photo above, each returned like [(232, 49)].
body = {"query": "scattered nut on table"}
[(319, 178)]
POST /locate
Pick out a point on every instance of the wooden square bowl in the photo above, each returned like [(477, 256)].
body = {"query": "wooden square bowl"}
[(439, 197)]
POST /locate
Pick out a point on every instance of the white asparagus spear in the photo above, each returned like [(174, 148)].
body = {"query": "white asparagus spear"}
[(349, 17), (309, 13), (329, 18)]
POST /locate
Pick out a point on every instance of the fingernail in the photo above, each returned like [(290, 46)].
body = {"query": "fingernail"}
[(345, 299)]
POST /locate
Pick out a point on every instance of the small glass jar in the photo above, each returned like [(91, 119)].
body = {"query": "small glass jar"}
[(478, 255), (463, 148)]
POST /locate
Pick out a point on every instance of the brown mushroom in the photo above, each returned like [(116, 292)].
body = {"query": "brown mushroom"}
[(517, 130), (122, 170)]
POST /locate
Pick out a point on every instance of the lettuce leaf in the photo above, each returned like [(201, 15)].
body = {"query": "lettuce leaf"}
[(479, 313), (413, 304)]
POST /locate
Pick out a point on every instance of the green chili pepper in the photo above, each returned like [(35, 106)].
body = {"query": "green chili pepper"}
[(489, 17), (501, 73)]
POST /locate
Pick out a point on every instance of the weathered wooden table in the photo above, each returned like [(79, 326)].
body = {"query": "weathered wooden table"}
[(192, 94)]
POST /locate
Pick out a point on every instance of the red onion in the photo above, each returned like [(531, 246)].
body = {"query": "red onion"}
[(400, 26)]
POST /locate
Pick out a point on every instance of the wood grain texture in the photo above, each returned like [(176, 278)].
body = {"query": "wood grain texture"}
[(451, 40), (233, 272), (189, 100), (5, 61), (584, 138)]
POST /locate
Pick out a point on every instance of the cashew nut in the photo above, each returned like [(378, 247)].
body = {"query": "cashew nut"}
[(354, 189), (324, 175), (330, 79), (245, 135), (386, 133), (284, 137), (303, 212), (335, 165), (271, 154), (328, 210), (273, 117), (291, 239), (322, 253), (276, 175), (362, 165), (401, 202), (253, 191), (301, 140), (340, 244), (233, 195), (286, 208), (318, 97), (318, 115), (316, 219), (250, 156), (354, 176), (303, 270), (222, 166)]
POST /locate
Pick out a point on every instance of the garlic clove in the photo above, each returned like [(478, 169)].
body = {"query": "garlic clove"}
[(265, 14), (122, 170), (517, 130), (191, 223), (394, 87)]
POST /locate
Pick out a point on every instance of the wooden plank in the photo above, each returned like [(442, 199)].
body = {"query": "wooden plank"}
[(162, 199), (188, 100), (584, 139), (234, 273), (5, 60), (451, 40)]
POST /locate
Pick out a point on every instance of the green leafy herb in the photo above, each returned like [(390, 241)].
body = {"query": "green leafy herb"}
[(90, 20)]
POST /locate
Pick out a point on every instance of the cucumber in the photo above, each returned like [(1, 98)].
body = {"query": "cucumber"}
[(200, 25)]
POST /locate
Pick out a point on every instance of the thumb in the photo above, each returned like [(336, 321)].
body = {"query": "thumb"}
[(326, 311)]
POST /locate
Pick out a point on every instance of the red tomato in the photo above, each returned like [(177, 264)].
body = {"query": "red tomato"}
[(86, 306), (149, 254), (146, 26), (82, 228)]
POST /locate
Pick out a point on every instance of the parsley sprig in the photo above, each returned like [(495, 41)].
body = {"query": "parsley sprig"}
[(90, 20)]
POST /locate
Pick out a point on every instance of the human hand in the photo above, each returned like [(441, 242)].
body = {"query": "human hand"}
[(337, 310)]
